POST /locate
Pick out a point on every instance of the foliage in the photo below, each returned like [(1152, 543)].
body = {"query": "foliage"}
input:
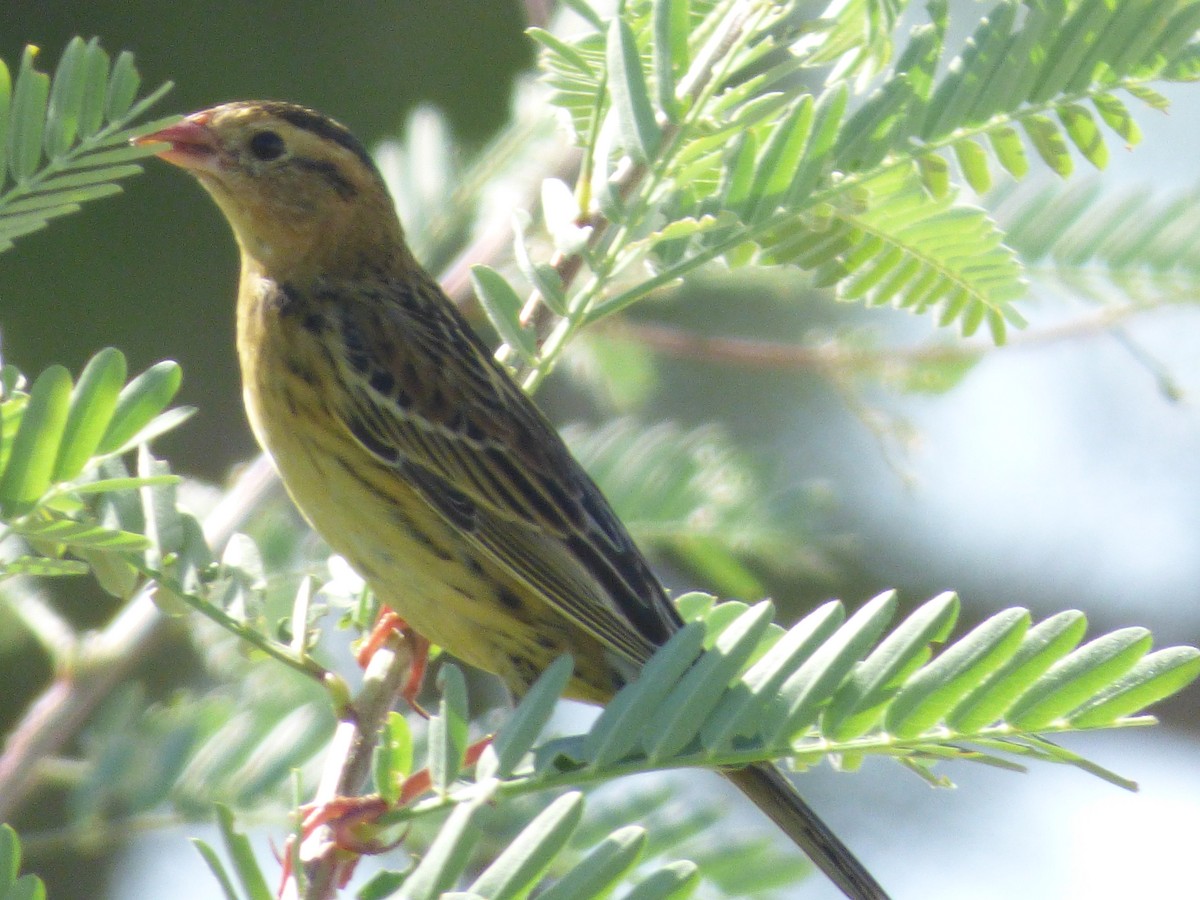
[(830, 687), (63, 489), (691, 159), (65, 140), (27, 887)]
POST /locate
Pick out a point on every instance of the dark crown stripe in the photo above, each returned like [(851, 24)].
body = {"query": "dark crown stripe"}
[(315, 123)]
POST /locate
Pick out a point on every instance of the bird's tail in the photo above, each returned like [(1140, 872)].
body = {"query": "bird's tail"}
[(774, 794)]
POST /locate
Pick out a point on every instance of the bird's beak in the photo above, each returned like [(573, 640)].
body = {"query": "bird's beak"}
[(192, 143)]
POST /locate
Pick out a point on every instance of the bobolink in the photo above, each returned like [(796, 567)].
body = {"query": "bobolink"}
[(411, 450)]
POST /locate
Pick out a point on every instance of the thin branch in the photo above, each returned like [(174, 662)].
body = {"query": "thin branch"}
[(347, 766), (628, 176), (756, 353), (107, 657)]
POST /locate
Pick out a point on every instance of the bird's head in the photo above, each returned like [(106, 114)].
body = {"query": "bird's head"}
[(302, 194)]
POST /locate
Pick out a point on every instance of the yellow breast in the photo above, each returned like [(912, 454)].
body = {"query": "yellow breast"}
[(414, 560)]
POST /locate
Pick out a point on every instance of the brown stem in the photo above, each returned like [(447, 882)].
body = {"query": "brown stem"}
[(347, 765), (629, 174), (755, 353)]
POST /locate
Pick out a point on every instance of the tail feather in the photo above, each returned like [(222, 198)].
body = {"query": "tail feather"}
[(774, 794)]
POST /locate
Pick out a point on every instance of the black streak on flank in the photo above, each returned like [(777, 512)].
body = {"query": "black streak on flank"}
[(382, 381), (281, 298), (508, 599), (368, 440), (304, 373), (331, 173)]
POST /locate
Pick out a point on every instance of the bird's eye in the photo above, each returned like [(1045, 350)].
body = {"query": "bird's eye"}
[(266, 145)]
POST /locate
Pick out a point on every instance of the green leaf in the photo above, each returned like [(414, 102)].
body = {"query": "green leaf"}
[(27, 117), (1072, 43), (1041, 647), (30, 464), (10, 857), (1153, 678), (114, 573), (934, 690), (5, 107), (935, 174), (93, 403), (806, 691), (855, 706), (122, 88), (565, 51), (602, 868), (972, 160), (827, 122), (41, 567), (765, 677), (164, 523), (670, 26), (897, 245), (448, 729), (140, 401), (673, 881), (1116, 116), (65, 117), (28, 887), (215, 866), (544, 278), (1007, 146), (964, 88), (618, 729), (526, 722), (446, 857), (59, 203), (80, 535), (381, 885), (393, 757), (94, 79), (503, 308), (245, 866), (696, 695), (66, 99), (1049, 143), (523, 862), (738, 174), (780, 159), (1149, 96), (1074, 680), (639, 131), (1084, 134)]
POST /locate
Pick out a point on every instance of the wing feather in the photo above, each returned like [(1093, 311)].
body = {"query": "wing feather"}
[(424, 395)]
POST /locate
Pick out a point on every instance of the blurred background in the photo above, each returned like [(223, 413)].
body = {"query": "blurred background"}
[(1056, 474)]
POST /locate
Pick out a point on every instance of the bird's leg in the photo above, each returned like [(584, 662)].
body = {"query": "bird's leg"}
[(350, 818), (389, 623), (421, 782)]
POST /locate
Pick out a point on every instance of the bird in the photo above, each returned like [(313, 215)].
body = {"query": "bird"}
[(412, 451)]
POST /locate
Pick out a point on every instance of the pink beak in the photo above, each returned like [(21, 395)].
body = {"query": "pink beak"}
[(193, 144)]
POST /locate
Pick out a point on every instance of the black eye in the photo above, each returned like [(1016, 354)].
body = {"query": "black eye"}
[(266, 145)]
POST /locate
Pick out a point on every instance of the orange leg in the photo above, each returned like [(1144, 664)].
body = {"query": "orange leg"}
[(422, 782), (390, 623), (344, 815)]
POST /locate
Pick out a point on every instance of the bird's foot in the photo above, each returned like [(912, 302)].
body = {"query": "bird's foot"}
[(387, 624)]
